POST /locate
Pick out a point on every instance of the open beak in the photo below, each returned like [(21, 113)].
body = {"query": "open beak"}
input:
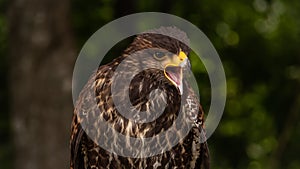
[(173, 71), (174, 74)]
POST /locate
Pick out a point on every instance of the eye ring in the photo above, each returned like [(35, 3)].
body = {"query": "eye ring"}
[(159, 55)]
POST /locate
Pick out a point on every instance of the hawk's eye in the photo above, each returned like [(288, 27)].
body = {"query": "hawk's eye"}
[(159, 55)]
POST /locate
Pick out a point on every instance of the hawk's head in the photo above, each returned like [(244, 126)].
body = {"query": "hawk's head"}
[(161, 50)]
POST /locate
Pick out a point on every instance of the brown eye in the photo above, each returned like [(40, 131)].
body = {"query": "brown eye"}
[(159, 55)]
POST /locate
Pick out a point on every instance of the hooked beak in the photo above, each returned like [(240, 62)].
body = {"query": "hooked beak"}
[(173, 71)]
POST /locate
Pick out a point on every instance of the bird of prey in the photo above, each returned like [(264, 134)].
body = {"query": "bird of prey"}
[(152, 62)]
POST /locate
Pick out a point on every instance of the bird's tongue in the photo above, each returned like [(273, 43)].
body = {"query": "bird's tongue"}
[(174, 74)]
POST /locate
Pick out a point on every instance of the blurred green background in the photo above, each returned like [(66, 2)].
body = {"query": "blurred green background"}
[(259, 44)]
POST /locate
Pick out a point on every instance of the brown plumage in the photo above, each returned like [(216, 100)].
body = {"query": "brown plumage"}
[(95, 102)]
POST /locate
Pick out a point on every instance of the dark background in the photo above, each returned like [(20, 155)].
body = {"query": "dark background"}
[(258, 42)]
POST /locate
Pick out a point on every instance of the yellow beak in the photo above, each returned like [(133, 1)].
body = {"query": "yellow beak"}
[(173, 70)]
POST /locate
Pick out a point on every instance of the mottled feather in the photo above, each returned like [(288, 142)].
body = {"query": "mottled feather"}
[(95, 102)]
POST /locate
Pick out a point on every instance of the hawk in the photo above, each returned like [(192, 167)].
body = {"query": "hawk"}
[(154, 67)]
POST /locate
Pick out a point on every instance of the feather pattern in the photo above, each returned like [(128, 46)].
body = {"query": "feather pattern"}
[(96, 102)]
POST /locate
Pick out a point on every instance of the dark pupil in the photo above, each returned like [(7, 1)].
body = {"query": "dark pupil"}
[(159, 54)]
